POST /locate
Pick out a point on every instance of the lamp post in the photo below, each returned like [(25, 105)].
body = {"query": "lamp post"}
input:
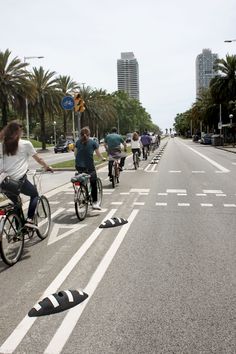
[(26, 99), (231, 120), (55, 134)]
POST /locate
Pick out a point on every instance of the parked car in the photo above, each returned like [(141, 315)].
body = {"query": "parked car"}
[(206, 139), (64, 146)]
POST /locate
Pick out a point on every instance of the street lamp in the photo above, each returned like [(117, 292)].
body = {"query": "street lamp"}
[(55, 135), (230, 40), (26, 99)]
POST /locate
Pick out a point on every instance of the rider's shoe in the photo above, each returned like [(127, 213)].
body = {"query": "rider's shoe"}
[(30, 224), (96, 206)]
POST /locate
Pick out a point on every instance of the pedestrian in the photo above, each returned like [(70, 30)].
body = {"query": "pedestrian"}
[(84, 163)]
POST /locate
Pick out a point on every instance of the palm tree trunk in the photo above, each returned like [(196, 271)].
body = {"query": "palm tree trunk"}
[(42, 121)]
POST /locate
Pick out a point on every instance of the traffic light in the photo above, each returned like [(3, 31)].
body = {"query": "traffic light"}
[(79, 103)]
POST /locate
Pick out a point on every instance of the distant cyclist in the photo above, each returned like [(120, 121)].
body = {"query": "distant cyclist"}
[(113, 143), (146, 141), (84, 151), (135, 144), (16, 153)]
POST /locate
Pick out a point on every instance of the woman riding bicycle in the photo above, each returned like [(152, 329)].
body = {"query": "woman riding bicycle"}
[(84, 163), (16, 153), (135, 144)]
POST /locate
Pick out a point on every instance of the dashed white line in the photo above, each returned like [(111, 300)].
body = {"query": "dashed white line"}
[(206, 205), (221, 195), (230, 205), (182, 194), (161, 204), (198, 172), (116, 203), (212, 191), (201, 194), (173, 171), (176, 191), (183, 204), (138, 203), (161, 193)]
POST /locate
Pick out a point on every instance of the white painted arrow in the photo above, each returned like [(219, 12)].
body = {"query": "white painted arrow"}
[(54, 237)]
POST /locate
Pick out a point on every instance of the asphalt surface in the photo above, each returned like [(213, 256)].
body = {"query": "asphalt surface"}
[(163, 283)]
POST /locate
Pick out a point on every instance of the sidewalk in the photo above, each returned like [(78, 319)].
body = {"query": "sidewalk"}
[(228, 147)]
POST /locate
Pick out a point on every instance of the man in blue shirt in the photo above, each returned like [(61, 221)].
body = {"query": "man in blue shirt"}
[(113, 143), (146, 141)]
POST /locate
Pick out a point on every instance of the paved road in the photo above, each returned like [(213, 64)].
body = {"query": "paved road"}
[(163, 283)]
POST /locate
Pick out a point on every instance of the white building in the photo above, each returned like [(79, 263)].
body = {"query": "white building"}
[(204, 69), (128, 74)]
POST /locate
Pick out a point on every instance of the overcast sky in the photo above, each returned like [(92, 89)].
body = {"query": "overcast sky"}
[(84, 39)]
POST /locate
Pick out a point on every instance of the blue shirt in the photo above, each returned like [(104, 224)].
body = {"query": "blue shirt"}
[(84, 156), (113, 141)]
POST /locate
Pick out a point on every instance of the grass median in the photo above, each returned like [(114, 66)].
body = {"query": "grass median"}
[(70, 164)]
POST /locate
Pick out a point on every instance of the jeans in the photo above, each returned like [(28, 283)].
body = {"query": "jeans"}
[(30, 190)]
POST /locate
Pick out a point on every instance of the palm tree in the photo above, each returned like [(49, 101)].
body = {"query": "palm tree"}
[(67, 87), (223, 87), (14, 84), (47, 96)]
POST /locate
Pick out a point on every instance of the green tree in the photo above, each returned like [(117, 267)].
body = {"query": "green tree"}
[(46, 97), (14, 85)]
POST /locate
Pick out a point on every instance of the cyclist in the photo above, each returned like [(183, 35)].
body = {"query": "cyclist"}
[(84, 163), (146, 141), (112, 144), (16, 153), (135, 144)]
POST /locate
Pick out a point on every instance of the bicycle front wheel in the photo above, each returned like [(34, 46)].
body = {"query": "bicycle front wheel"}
[(99, 188), (43, 217), (81, 203), (12, 239)]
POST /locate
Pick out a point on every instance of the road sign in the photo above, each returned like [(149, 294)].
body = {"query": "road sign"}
[(67, 102)]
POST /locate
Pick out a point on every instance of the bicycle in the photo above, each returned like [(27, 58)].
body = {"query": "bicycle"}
[(146, 152), (12, 229), (82, 196), (136, 160), (115, 171)]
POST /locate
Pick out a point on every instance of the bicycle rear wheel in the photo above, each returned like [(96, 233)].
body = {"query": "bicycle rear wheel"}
[(12, 239), (81, 203), (43, 217), (99, 188)]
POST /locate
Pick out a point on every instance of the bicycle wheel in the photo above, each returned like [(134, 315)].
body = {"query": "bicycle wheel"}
[(117, 172), (137, 160), (81, 203), (43, 217), (12, 239), (113, 175), (99, 188)]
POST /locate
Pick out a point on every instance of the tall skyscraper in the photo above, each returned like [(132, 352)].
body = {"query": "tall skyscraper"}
[(204, 69), (128, 74)]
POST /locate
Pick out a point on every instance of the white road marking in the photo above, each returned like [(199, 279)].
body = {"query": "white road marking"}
[(212, 191), (183, 204), (233, 163), (54, 237), (72, 317), (206, 205), (161, 204), (198, 172), (124, 193), (143, 193), (138, 203), (161, 193), (137, 190), (116, 203), (230, 205), (174, 171), (221, 195), (182, 194), (201, 194), (176, 191), (212, 162), (15, 338)]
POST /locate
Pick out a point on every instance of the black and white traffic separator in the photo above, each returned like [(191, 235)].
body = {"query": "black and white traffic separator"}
[(113, 222), (59, 302)]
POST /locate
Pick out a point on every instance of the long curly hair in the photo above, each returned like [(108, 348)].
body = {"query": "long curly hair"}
[(10, 136)]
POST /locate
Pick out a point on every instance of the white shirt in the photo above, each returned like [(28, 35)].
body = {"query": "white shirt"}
[(16, 165), (135, 144)]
